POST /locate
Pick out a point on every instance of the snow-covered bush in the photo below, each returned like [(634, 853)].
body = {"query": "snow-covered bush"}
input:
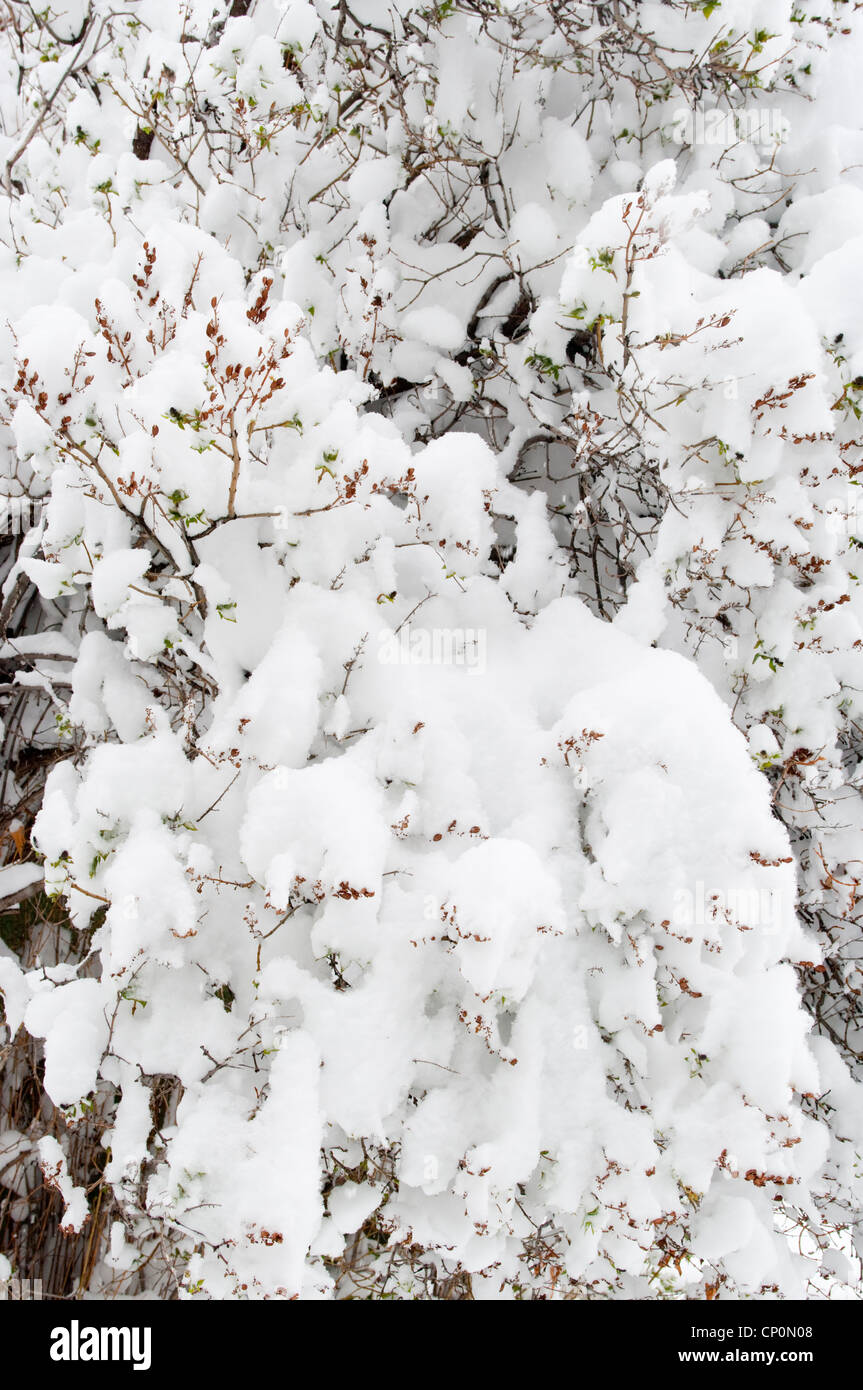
[(433, 648)]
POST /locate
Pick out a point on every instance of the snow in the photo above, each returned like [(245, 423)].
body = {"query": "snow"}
[(432, 686), (15, 878), (436, 326), (534, 232)]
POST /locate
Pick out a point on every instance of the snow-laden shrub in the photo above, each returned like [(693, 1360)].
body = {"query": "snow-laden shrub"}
[(394, 396), (427, 920)]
